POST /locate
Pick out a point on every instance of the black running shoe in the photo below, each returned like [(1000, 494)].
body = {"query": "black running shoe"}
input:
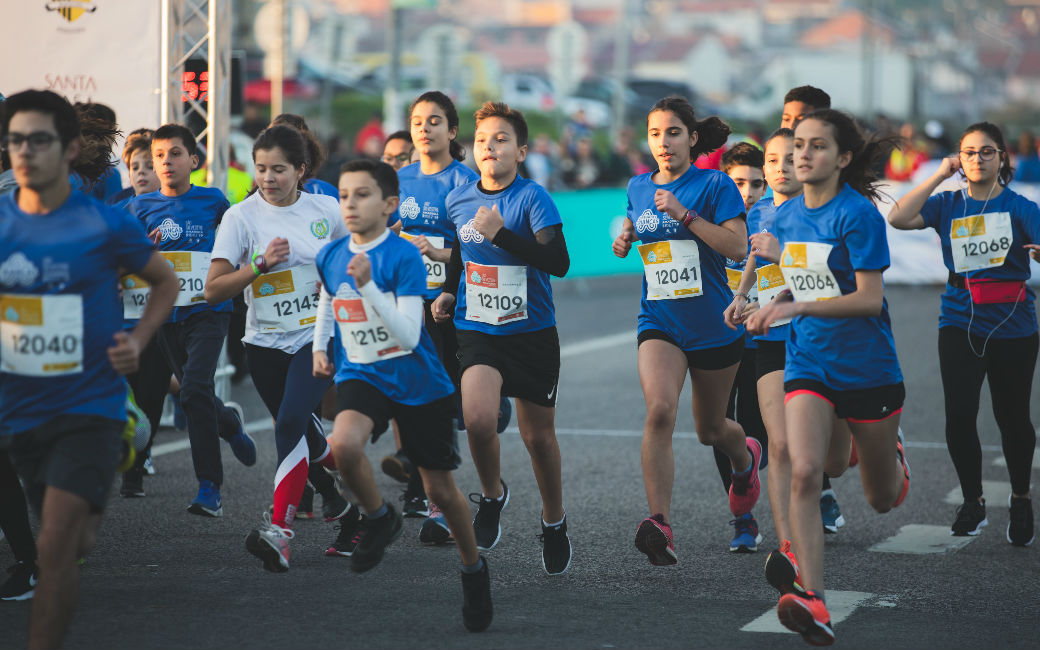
[(349, 534), (971, 518), (476, 599), (376, 535), (486, 523), (1020, 521), (415, 501), (133, 483), (22, 583), (334, 506), (556, 548)]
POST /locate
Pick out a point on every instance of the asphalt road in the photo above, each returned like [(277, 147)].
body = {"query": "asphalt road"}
[(161, 578)]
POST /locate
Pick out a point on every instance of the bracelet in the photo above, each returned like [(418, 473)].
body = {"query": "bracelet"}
[(261, 267), (689, 218), (746, 297)]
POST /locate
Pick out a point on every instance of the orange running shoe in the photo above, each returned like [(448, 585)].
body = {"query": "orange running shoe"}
[(807, 615), (782, 570)]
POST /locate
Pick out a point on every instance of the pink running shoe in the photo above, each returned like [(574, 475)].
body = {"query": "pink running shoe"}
[(654, 537), (906, 472), (744, 490)]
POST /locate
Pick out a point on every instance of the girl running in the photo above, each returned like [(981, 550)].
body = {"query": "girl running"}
[(272, 237), (987, 327), (689, 220), (840, 355)]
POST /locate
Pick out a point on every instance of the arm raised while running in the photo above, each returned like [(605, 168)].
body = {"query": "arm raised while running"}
[(548, 251), (623, 242), (224, 282), (739, 310), (729, 239), (865, 302), (906, 213)]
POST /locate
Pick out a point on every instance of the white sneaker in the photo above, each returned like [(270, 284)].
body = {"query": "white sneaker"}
[(270, 543)]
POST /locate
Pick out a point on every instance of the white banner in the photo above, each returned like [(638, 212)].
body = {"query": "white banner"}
[(105, 51)]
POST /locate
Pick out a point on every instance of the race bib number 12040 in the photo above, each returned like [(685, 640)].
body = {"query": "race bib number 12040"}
[(41, 336)]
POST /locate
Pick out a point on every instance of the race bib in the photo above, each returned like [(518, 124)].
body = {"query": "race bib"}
[(733, 280), (42, 336), (496, 294), (672, 268), (981, 241), (435, 271), (805, 270), (191, 268), (135, 295), (363, 333), (770, 283), (286, 301)]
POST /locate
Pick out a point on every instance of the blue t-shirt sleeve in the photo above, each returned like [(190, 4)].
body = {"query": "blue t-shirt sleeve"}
[(129, 245), (932, 211), (222, 207), (1029, 216), (727, 203), (863, 232), (410, 273), (543, 212)]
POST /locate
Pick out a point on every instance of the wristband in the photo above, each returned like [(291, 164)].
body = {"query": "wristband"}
[(746, 297), (258, 263), (689, 218)]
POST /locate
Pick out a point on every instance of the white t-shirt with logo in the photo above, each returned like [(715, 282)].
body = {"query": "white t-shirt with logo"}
[(249, 226)]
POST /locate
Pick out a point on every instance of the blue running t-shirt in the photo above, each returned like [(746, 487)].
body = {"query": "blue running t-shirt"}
[(694, 322), (760, 219), (60, 307), (397, 267), (842, 353)]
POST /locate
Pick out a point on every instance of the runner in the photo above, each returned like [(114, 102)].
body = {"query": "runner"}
[(743, 163), (397, 150), (62, 400), (840, 356), (280, 285), (181, 219), (689, 220), (386, 367), (987, 328), (510, 239)]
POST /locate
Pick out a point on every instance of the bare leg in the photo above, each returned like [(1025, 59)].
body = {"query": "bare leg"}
[(879, 466), (441, 488), (481, 392), (662, 371), (778, 478), (810, 424), (711, 390), (350, 432), (538, 430)]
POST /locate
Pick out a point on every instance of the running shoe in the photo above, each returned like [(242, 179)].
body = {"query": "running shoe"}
[(830, 512), (971, 518), (334, 506), (745, 536), (807, 615), (487, 524), (654, 537), (242, 444), (505, 413), (398, 466), (207, 502), (556, 548), (434, 529), (906, 470), (1020, 521), (415, 502), (782, 570), (270, 543), (476, 598), (376, 535), (22, 583), (349, 527), (149, 466), (744, 489), (133, 483)]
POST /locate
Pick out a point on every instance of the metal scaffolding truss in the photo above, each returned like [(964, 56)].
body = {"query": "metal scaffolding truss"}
[(193, 28)]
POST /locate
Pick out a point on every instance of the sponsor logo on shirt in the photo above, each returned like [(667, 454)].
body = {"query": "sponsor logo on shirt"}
[(170, 230), (469, 234), (320, 228), (409, 209), (18, 270), (648, 221)]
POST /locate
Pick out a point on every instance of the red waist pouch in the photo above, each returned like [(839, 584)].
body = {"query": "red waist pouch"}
[(989, 292)]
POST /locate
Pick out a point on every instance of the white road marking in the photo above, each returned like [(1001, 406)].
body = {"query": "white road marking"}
[(179, 445), (995, 492), (917, 539), (596, 344), (840, 604)]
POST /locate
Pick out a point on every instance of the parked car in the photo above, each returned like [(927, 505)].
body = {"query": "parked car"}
[(528, 92)]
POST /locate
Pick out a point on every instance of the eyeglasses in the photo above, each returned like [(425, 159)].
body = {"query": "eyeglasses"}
[(985, 154), (401, 158), (38, 140)]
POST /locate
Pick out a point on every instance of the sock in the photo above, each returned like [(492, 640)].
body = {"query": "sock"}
[(748, 470), (548, 525), (376, 514), (288, 489), (474, 568)]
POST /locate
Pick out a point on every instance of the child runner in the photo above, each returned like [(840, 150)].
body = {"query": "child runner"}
[(689, 220), (987, 328), (272, 237), (840, 357), (510, 239), (62, 400), (181, 219), (373, 284), (397, 150), (743, 163)]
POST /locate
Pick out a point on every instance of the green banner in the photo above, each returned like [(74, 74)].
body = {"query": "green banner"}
[(591, 221)]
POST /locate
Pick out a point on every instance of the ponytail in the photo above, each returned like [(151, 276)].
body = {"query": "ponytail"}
[(861, 174), (711, 132)]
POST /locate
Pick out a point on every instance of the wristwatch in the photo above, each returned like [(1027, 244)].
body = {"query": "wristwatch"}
[(259, 264), (689, 218)]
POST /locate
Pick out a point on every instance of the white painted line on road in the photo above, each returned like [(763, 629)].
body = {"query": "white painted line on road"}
[(918, 539), (182, 444), (990, 489), (596, 344), (840, 604)]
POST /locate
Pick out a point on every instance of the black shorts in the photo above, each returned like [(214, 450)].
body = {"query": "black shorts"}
[(75, 453), (705, 359), (770, 357), (528, 362), (427, 430), (863, 405), (444, 341)]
